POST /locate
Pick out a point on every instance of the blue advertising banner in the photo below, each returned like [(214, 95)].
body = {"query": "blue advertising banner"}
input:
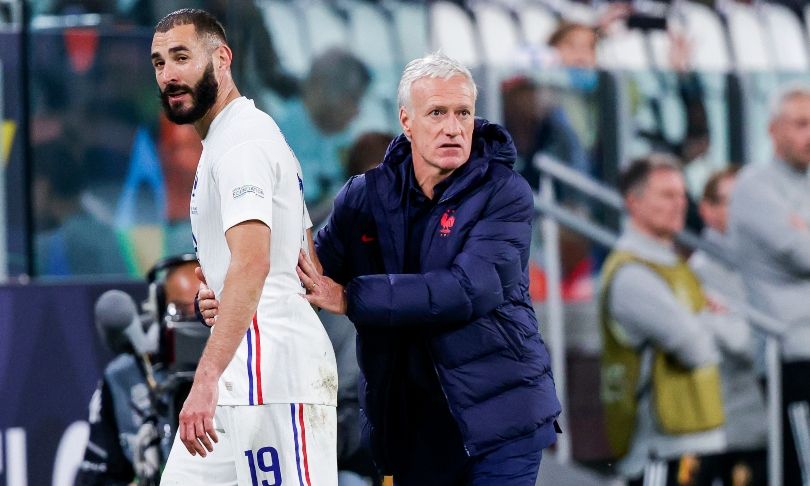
[(50, 362)]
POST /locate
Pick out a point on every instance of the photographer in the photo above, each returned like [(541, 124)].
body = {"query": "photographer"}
[(131, 405)]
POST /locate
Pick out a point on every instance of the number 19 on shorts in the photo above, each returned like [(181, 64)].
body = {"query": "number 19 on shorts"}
[(266, 461)]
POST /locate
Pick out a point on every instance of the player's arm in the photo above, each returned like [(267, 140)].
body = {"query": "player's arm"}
[(249, 244)]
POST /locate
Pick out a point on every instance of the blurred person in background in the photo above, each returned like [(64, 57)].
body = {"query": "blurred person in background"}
[(660, 379), (71, 239), (745, 428), (769, 225), (363, 154), (318, 126), (126, 410)]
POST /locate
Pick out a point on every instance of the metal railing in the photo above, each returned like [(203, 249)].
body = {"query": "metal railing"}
[(553, 215)]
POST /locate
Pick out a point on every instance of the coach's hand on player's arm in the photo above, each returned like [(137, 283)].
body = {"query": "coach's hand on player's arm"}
[(322, 291), (207, 304)]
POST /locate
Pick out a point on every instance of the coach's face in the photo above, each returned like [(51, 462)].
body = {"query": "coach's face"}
[(439, 122), (184, 70)]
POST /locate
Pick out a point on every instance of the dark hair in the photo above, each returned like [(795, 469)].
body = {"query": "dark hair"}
[(712, 187), (367, 152), (204, 23), (565, 28), (636, 174), (339, 73)]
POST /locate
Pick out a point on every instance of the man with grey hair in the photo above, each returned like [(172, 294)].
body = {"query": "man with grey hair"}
[(427, 255), (656, 318), (769, 224)]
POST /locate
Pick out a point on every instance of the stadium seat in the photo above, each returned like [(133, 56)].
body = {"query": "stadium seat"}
[(625, 49), (705, 31), (453, 32), (372, 41), (411, 25), (324, 27), (788, 44), (283, 23), (749, 42), (500, 38), (537, 22)]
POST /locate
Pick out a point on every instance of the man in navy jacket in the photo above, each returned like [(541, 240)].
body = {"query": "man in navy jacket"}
[(427, 254)]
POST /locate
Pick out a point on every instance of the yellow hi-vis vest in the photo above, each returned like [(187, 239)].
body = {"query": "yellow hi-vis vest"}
[(683, 400)]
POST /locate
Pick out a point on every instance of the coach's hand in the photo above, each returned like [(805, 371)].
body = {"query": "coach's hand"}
[(206, 300), (197, 418), (322, 291)]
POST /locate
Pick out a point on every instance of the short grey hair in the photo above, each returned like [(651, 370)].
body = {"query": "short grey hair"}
[(785, 95), (436, 65)]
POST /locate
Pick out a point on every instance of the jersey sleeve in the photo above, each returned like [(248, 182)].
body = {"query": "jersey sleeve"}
[(246, 178), (307, 219)]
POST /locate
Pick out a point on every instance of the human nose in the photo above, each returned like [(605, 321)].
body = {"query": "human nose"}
[(452, 126), (167, 74)]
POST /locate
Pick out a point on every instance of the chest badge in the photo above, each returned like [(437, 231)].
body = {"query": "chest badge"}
[(447, 222)]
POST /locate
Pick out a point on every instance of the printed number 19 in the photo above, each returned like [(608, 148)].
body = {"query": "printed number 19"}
[(260, 460)]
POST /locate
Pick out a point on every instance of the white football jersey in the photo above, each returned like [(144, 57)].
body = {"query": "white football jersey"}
[(248, 172)]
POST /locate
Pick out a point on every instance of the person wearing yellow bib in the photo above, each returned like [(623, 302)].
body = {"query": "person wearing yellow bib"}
[(660, 382)]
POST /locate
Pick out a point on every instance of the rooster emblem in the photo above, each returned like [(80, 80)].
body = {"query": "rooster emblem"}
[(447, 222)]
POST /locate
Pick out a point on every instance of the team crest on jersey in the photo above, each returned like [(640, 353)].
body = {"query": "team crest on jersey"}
[(248, 189), (447, 222)]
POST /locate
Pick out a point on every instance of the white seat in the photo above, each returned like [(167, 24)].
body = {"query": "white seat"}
[(452, 31), (577, 12), (748, 39), (498, 32), (372, 41), (625, 49), (411, 25), (788, 45), (537, 22), (705, 32), (284, 24), (325, 28)]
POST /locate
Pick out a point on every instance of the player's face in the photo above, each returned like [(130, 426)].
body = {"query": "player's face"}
[(440, 122), (659, 208), (184, 70), (790, 132)]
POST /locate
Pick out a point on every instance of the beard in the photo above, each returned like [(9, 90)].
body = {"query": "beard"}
[(203, 97)]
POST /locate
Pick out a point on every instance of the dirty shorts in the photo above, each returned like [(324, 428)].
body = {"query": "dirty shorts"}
[(292, 443)]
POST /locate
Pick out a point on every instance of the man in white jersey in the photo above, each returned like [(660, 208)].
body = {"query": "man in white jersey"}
[(262, 406)]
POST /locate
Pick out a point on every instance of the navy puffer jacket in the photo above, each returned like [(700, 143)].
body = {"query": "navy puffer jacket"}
[(471, 300)]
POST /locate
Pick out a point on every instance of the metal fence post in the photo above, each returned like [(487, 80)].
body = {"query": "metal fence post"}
[(554, 315), (773, 366)]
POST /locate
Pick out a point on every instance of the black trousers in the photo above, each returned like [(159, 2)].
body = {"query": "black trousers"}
[(796, 422), (721, 466)]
